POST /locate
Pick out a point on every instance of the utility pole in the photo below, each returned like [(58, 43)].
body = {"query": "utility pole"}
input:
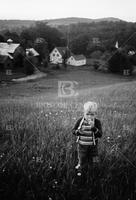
[(67, 47)]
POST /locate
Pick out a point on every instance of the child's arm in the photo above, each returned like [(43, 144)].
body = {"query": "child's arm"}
[(97, 129), (74, 130)]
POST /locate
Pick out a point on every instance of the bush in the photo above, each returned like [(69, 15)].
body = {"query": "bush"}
[(96, 65), (106, 55), (96, 54), (45, 63), (28, 66), (119, 62)]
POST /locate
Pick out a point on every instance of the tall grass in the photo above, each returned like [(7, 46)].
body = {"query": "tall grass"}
[(38, 150)]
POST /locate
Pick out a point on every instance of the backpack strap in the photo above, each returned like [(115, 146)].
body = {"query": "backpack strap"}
[(81, 122)]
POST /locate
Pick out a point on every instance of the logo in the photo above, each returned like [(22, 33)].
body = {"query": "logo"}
[(67, 88)]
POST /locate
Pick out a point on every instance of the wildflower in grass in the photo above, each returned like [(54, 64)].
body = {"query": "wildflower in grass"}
[(55, 182), (108, 139), (119, 136), (49, 198), (79, 174), (50, 167), (2, 155), (4, 170), (33, 158)]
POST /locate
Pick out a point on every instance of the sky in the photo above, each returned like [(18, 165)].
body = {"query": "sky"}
[(52, 9)]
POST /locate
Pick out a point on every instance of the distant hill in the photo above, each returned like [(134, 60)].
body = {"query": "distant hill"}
[(73, 20), (18, 24), (15, 24)]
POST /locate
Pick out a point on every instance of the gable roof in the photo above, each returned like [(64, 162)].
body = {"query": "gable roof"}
[(3, 52), (61, 50), (32, 51), (9, 48), (78, 57)]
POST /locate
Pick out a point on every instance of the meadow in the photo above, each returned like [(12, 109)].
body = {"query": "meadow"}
[(38, 150)]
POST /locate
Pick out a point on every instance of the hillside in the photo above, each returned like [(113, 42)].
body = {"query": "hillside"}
[(14, 24), (74, 20), (38, 152)]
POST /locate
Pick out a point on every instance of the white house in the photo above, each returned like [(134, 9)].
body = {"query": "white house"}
[(8, 48), (76, 60), (7, 52), (56, 56)]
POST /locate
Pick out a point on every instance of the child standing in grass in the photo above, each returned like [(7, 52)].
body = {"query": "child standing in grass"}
[(87, 129)]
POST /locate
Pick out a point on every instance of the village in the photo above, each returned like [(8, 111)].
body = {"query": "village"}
[(11, 52), (15, 60)]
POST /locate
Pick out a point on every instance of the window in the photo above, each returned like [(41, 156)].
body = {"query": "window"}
[(57, 55), (53, 54)]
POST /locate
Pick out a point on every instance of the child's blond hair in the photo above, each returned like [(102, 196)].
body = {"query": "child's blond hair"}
[(90, 106)]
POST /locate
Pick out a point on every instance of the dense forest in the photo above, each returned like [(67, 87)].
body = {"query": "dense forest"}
[(78, 36)]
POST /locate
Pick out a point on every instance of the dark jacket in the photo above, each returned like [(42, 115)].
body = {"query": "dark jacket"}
[(97, 130)]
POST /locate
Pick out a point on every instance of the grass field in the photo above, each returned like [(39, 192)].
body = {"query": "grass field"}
[(38, 151)]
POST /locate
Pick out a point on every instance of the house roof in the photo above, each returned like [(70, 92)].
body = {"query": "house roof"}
[(32, 51), (3, 52), (61, 50), (9, 48), (79, 57)]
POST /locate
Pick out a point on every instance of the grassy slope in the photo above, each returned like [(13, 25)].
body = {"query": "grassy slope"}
[(48, 156)]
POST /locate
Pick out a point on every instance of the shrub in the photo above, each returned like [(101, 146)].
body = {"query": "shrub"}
[(96, 65), (119, 62), (96, 54), (45, 63)]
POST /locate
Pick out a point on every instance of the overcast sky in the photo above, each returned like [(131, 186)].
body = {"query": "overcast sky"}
[(50, 9)]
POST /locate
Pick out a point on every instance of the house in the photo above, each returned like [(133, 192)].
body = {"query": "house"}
[(7, 51), (32, 52), (8, 47), (57, 55), (76, 60)]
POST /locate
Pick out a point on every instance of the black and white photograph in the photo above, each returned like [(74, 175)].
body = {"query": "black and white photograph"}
[(68, 100)]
